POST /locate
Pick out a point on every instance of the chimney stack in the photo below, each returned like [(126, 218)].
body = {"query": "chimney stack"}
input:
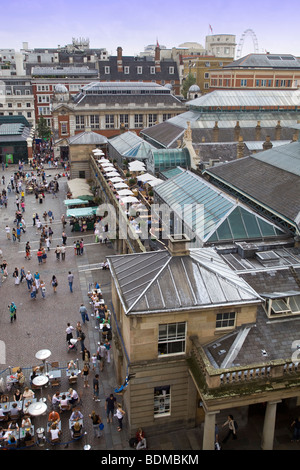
[(119, 59), (179, 245), (157, 59), (267, 144), (258, 131), (278, 131), (240, 147)]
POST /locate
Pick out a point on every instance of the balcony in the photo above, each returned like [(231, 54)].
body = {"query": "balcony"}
[(253, 383)]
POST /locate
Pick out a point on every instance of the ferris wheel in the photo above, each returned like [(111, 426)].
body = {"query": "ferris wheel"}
[(248, 32)]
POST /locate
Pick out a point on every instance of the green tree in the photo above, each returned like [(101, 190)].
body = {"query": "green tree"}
[(43, 130), (187, 83)]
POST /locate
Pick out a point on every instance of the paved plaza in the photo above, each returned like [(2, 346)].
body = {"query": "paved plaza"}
[(41, 324)]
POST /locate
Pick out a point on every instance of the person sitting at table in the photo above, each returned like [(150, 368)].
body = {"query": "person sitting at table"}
[(72, 365), (15, 411), (34, 373), (20, 377), (26, 422), (76, 430), (73, 396), (76, 415), (53, 417), (28, 393), (64, 403), (56, 400), (54, 432), (13, 425), (18, 395), (2, 415), (11, 440), (27, 437)]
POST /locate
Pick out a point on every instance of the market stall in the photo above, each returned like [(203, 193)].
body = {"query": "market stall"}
[(82, 218)]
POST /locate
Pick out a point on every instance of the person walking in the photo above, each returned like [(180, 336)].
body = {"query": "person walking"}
[(83, 312), (29, 279), (43, 288), (27, 251), (96, 388), (63, 252), (110, 404), (85, 374), (64, 238), (120, 413), (7, 230), (54, 283), (232, 428), (69, 332), (70, 281), (12, 311), (40, 255), (57, 252), (96, 422)]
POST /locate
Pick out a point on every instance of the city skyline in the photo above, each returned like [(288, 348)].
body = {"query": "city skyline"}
[(135, 25)]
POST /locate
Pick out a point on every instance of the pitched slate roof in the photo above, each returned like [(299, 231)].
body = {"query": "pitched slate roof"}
[(155, 282)]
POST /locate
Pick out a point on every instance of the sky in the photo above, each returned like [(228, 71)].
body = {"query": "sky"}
[(137, 23)]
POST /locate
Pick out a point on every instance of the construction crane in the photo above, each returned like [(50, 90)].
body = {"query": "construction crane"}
[(248, 32)]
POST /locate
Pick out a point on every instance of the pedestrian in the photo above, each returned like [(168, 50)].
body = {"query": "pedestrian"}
[(63, 252), (43, 288), (83, 312), (57, 252), (40, 255), (70, 280), (96, 423), (29, 279), (81, 246), (86, 355), (69, 332), (296, 432), (107, 347), (19, 234), (96, 388), (48, 242), (33, 291), (54, 283), (16, 276), (44, 255), (63, 221), (33, 218), (7, 230), (64, 238), (22, 274), (120, 415), (85, 374), (77, 247), (81, 338), (110, 404), (101, 354), (37, 280), (50, 233), (13, 312), (27, 251), (94, 361), (14, 234), (232, 428)]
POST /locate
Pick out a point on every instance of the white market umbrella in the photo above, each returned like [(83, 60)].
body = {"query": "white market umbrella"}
[(103, 160), (127, 199), (155, 182), (136, 166), (107, 169), (106, 164), (113, 173), (116, 179), (98, 152), (146, 177), (125, 192), (120, 185)]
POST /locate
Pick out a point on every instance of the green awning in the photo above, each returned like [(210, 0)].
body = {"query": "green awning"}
[(82, 212), (75, 202)]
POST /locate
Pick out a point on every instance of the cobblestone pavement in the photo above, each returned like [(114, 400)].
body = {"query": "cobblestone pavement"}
[(41, 324)]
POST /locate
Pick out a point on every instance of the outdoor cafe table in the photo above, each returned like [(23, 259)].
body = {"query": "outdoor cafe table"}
[(8, 406), (37, 408), (73, 421), (27, 402), (58, 425), (25, 429)]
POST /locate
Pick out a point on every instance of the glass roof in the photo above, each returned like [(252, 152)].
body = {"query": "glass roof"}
[(212, 215), (169, 158)]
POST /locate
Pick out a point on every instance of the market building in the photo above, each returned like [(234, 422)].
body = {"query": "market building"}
[(16, 139)]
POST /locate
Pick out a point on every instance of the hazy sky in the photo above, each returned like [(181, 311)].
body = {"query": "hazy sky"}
[(133, 24)]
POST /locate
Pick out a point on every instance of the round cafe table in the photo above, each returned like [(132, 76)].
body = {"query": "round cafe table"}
[(37, 408)]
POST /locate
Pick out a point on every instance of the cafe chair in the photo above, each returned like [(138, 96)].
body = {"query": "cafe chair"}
[(3, 418), (30, 443), (54, 365), (73, 379), (65, 407), (54, 441), (55, 382), (4, 398)]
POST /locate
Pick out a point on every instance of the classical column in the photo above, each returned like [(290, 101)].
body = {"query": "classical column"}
[(209, 430), (269, 425)]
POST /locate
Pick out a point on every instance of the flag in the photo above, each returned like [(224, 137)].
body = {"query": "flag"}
[(157, 43), (210, 28)]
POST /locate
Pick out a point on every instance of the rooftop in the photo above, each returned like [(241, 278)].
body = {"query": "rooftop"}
[(155, 282), (274, 61)]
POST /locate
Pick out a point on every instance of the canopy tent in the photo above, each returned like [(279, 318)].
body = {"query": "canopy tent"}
[(136, 166), (107, 164), (127, 199), (80, 189), (120, 185), (125, 192), (109, 168), (155, 182), (98, 152), (103, 160), (82, 212), (75, 202), (112, 174), (146, 177), (116, 179)]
